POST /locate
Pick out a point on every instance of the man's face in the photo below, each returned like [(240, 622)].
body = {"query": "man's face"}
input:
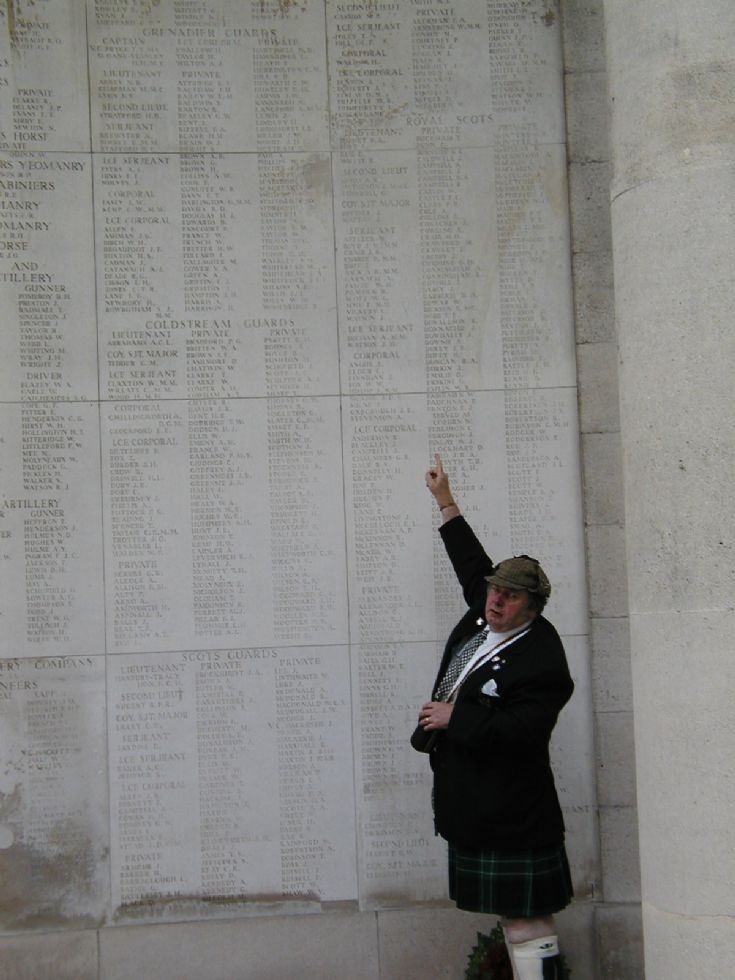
[(506, 609)]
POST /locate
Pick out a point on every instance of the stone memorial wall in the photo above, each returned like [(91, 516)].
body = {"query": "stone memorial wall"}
[(259, 261)]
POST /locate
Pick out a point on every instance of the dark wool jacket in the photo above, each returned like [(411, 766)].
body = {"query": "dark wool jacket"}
[(493, 785)]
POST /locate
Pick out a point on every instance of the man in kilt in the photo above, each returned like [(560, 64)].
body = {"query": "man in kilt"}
[(501, 684)]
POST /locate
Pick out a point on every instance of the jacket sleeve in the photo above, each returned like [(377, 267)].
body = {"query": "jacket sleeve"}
[(468, 557), (520, 722)]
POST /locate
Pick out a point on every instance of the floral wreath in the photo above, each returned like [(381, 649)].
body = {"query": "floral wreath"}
[(489, 959)]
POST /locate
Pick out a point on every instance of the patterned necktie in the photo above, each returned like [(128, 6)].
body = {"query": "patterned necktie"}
[(457, 664)]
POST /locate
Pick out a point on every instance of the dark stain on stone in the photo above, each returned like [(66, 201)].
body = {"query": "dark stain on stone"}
[(10, 8), (317, 175), (403, 900), (156, 906), (284, 7), (50, 884)]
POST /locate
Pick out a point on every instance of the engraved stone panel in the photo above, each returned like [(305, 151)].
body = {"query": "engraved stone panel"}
[(436, 294), (401, 861), (207, 76), (53, 793), (218, 524), (48, 341), (215, 275), (431, 73), (51, 598), (573, 761), (231, 781), (388, 543), (44, 103)]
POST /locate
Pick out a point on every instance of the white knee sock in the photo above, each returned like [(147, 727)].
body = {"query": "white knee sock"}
[(509, 947), (537, 959)]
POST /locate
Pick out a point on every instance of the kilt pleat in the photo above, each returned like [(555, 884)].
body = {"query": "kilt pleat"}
[(524, 883)]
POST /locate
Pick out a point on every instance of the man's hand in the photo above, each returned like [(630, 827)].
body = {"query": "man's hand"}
[(438, 483), (435, 715)]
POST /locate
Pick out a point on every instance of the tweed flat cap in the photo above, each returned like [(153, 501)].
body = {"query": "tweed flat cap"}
[(520, 572)]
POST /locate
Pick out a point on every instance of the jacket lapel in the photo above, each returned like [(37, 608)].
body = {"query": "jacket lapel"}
[(507, 658)]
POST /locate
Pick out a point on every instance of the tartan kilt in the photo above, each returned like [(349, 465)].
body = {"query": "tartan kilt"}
[(527, 883)]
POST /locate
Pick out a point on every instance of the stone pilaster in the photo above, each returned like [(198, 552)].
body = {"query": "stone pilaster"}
[(672, 79)]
